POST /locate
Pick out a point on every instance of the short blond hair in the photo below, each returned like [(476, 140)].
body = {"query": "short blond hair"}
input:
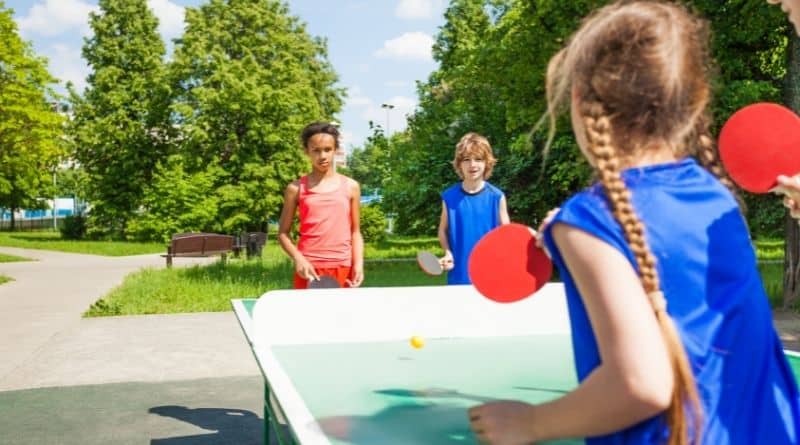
[(477, 146)]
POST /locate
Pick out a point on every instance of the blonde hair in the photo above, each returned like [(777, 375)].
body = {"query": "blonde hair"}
[(640, 71), (475, 146)]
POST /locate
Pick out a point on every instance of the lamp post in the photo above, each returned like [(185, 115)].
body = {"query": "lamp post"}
[(388, 108), (55, 196)]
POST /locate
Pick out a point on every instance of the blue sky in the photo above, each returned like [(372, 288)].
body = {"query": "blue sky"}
[(379, 48)]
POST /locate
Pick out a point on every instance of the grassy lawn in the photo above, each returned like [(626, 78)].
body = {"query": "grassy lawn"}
[(12, 258), (770, 257), (211, 287), (769, 249), (53, 241), (4, 279)]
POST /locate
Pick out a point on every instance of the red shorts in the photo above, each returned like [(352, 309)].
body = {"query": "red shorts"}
[(341, 274)]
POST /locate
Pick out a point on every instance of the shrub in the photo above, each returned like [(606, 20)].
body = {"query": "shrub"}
[(73, 227), (373, 223)]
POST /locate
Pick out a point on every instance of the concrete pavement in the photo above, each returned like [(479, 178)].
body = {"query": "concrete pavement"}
[(48, 353)]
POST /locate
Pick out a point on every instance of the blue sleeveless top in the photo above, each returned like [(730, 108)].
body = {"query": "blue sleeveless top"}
[(469, 217), (707, 268)]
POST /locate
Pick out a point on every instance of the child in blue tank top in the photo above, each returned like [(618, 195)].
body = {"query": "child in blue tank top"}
[(672, 332), (470, 208)]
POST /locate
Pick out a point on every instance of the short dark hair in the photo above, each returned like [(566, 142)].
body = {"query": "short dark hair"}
[(317, 128)]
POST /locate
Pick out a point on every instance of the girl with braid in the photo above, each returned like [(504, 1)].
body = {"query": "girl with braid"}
[(672, 333)]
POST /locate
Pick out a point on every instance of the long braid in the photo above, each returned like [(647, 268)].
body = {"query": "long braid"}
[(607, 163), (709, 158)]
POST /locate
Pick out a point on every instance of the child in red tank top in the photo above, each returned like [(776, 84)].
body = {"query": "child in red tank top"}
[(330, 241)]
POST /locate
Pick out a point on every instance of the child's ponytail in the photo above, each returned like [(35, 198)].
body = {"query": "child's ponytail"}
[(684, 415), (709, 158)]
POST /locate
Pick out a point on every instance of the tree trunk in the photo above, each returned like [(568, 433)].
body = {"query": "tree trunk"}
[(11, 228), (791, 256)]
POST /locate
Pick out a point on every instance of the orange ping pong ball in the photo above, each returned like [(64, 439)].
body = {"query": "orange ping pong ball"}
[(417, 342)]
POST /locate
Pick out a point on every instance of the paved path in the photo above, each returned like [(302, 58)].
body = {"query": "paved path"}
[(44, 341)]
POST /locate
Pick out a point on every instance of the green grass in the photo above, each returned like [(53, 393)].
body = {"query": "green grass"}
[(401, 247), (769, 249), (770, 256), (5, 279), (772, 277), (12, 258), (210, 288), (53, 241)]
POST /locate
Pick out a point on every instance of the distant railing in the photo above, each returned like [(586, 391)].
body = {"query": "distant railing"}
[(31, 224)]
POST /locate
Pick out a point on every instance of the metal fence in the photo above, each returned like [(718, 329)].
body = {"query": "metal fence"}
[(32, 224)]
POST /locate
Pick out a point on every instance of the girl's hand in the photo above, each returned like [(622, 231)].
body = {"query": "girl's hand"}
[(504, 422), (304, 269), (543, 226), (789, 186), (356, 276), (446, 261)]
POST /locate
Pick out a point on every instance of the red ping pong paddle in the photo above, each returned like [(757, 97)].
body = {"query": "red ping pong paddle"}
[(429, 263), (507, 266), (324, 282), (758, 143)]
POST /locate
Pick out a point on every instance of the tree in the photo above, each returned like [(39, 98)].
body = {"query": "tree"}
[(371, 165), (248, 78), (30, 127), (492, 58), (121, 130), (791, 255)]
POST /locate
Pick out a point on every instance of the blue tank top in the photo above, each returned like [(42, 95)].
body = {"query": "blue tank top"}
[(469, 217), (707, 268)]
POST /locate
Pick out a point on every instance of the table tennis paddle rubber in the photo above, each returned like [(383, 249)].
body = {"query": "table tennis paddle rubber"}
[(758, 143), (324, 282), (506, 265), (429, 263)]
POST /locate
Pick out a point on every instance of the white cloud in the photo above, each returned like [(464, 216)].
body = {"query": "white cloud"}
[(54, 17), (66, 64), (417, 9), (170, 18), (409, 46), (356, 98)]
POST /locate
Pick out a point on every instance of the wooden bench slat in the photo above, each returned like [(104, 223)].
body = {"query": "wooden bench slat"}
[(198, 245)]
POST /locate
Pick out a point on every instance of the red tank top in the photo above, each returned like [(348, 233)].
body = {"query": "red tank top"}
[(325, 225)]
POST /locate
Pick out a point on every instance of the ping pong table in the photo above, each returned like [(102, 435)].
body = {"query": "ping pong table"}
[(339, 368)]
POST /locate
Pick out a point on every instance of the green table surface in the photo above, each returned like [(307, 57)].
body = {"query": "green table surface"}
[(374, 391)]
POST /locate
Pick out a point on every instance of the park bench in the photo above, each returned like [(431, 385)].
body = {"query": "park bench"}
[(198, 245)]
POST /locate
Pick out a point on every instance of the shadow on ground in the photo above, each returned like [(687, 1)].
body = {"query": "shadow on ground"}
[(194, 412), (231, 425)]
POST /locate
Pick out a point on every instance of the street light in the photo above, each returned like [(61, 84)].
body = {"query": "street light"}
[(55, 196), (388, 108)]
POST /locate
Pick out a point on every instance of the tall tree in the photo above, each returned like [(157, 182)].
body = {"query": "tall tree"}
[(30, 126), (492, 58), (791, 256), (121, 125), (371, 165), (249, 77)]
